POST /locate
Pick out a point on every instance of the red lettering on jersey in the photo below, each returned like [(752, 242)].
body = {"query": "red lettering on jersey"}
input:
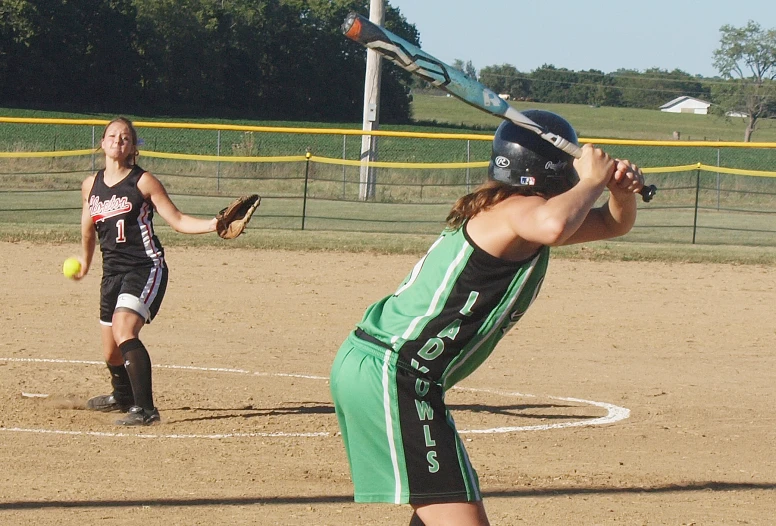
[(102, 210)]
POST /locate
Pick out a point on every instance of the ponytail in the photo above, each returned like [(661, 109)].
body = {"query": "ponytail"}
[(482, 198)]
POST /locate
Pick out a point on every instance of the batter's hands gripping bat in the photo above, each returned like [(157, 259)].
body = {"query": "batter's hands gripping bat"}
[(411, 58)]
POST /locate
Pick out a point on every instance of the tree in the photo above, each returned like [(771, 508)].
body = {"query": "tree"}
[(66, 54), (599, 89), (467, 68), (554, 85), (654, 87), (747, 56), (257, 59), (506, 79)]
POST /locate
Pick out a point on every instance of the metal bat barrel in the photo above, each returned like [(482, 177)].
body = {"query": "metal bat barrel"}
[(413, 59)]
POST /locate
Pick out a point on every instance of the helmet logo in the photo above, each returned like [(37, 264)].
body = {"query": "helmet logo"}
[(528, 181), (555, 167), (501, 161)]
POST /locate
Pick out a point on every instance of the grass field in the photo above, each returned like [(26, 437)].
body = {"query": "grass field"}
[(432, 114), (446, 114)]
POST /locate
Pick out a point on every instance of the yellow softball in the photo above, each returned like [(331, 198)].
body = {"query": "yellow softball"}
[(71, 267)]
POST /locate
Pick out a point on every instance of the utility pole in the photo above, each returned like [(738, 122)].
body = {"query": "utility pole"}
[(371, 122)]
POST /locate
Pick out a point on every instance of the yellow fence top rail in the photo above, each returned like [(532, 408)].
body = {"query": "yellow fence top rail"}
[(375, 164), (681, 144), (385, 133), (248, 128)]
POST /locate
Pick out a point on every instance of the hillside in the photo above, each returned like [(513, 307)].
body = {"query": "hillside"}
[(619, 123)]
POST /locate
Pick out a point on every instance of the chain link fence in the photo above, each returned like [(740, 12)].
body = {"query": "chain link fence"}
[(313, 179)]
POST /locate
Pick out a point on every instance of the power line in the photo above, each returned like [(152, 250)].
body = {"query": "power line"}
[(615, 76), (613, 86), (608, 86)]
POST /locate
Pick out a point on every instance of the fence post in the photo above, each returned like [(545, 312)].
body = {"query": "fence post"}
[(718, 182), (218, 163), (468, 160), (306, 179), (93, 148), (344, 149), (697, 193)]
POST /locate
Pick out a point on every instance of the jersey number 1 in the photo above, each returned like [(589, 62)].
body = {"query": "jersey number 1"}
[(120, 227)]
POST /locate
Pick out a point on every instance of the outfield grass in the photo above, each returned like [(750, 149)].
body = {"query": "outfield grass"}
[(439, 113)]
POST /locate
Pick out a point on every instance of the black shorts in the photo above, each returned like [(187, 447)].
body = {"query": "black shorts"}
[(141, 290)]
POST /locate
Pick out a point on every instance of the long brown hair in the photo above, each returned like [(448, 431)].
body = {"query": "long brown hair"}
[(482, 198)]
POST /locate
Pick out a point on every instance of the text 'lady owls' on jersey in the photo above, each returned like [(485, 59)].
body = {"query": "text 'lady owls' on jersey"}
[(456, 304)]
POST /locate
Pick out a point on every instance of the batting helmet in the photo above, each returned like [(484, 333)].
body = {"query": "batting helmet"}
[(522, 158)]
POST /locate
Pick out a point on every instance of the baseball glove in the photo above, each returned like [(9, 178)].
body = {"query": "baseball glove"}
[(232, 220)]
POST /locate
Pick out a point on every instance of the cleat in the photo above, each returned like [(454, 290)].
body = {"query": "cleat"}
[(107, 403), (137, 416)]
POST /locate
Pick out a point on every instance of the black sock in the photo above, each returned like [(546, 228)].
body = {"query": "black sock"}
[(415, 520), (138, 365), (119, 379)]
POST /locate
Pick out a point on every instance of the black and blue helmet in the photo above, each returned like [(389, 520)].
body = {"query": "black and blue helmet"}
[(522, 158)]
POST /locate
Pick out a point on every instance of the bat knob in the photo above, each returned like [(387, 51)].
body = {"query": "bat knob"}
[(648, 192)]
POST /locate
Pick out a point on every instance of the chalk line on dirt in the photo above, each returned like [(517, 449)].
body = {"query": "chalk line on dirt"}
[(614, 413)]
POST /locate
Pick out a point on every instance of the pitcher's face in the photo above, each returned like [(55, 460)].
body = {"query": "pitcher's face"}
[(117, 142)]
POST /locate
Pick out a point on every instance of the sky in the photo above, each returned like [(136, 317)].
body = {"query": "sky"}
[(604, 35)]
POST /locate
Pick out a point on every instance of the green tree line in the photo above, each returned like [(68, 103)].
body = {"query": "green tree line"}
[(623, 88), (259, 59)]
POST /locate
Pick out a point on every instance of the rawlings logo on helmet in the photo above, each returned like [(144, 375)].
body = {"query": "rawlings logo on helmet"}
[(555, 167), (501, 161)]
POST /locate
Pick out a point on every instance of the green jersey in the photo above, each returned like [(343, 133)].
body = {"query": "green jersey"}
[(454, 307)]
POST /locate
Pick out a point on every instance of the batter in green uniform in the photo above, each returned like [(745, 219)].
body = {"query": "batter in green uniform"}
[(389, 378)]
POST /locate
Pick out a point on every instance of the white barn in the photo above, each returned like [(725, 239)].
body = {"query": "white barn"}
[(686, 104)]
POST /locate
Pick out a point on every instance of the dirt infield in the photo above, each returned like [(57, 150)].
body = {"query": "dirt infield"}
[(630, 393)]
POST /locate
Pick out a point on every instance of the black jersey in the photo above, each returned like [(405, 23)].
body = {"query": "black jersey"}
[(123, 219)]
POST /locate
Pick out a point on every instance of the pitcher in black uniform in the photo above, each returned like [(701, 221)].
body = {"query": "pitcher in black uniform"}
[(390, 376), (118, 209)]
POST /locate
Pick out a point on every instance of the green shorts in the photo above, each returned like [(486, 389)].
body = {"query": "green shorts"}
[(400, 439)]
